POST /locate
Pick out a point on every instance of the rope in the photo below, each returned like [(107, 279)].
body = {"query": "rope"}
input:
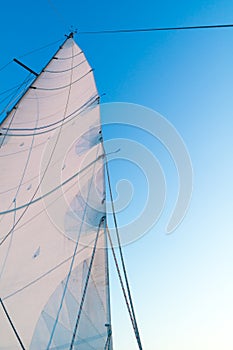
[(68, 58), (10, 243), (16, 94), (65, 70), (12, 325), (5, 65), (57, 12), (64, 86), (14, 87), (143, 30), (107, 344), (50, 158), (120, 279), (31, 52), (80, 110), (85, 287), (71, 264), (40, 48), (123, 263)]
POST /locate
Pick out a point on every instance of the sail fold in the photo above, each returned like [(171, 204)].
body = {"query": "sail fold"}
[(52, 206)]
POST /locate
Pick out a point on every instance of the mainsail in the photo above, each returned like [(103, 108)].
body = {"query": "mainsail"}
[(53, 260)]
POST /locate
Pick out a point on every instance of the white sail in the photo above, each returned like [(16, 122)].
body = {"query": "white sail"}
[(52, 212)]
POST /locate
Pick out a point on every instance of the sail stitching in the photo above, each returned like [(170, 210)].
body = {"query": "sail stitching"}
[(85, 287), (43, 275), (68, 180), (10, 244), (71, 265), (68, 58), (46, 168), (17, 152), (87, 104), (66, 70), (18, 189), (64, 86), (53, 190), (72, 261), (20, 223)]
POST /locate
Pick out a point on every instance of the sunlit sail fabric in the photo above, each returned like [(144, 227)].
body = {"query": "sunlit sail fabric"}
[(52, 207)]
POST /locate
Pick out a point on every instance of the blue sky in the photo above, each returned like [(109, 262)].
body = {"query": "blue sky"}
[(181, 283)]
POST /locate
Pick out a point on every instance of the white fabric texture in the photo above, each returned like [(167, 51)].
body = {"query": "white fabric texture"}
[(52, 202)]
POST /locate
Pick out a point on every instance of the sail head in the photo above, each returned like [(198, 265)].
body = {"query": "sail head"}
[(51, 210)]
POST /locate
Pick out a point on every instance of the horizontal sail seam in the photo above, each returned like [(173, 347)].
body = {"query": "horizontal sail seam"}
[(53, 190), (68, 58), (62, 87), (86, 104), (66, 70)]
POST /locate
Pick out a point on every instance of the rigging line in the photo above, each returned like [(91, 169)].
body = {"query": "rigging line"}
[(76, 246), (5, 155), (57, 12), (27, 160), (121, 280), (13, 88), (30, 150), (54, 189), (40, 48), (86, 285), (99, 296), (51, 203), (7, 97), (16, 96), (87, 104), (44, 274), (4, 136), (31, 52), (122, 258), (71, 264), (68, 58), (64, 86), (65, 70), (107, 281), (12, 325), (107, 344), (10, 243), (51, 155), (138, 30), (33, 81), (63, 121), (80, 342), (5, 65)]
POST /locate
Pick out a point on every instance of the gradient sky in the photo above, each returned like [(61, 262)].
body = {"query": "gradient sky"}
[(181, 283)]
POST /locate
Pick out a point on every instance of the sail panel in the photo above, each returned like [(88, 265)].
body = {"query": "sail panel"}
[(52, 203)]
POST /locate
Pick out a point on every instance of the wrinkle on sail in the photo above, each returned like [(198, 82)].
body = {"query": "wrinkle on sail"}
[(51, 158)]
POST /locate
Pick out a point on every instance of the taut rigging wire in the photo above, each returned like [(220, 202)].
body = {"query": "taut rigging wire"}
[(31, 52), (132, 313), (157, 29)]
